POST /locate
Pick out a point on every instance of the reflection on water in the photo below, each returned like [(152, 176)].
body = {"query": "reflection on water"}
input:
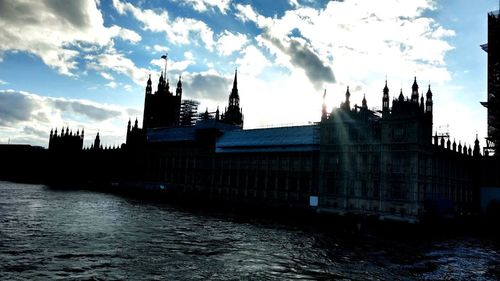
[(53, 234)]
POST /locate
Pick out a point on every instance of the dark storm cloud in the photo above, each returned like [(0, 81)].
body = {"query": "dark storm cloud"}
[(15, 107), (207, 86), (303, 57)]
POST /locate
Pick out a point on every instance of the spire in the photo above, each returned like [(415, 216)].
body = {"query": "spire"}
[(217, 114), (178, 91), (385, 99), (136, 124), (235, 82), (323, 108), (414, 91), (414, 87), (129, 125), (347, 104), (363, 102), (422, 106), (234, 99), (401, 97), (477, 150), (428, 101)]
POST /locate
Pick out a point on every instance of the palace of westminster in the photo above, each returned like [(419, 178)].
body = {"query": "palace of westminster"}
[(386, 163)]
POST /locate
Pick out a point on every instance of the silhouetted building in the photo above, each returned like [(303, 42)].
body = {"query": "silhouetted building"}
[(385, 164), (355, 160), (233, 114), (66, 141), (162, 109), (493, 102)]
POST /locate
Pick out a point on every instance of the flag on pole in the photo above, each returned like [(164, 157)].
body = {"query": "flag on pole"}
[(164, 56)]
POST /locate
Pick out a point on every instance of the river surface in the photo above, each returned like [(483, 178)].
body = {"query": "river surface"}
[(48, 234)]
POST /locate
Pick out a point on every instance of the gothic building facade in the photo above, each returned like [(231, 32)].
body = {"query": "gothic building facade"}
[(356, 160), (386, 164), (162, 109)]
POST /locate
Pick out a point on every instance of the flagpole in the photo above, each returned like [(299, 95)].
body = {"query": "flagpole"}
[(166, 59)]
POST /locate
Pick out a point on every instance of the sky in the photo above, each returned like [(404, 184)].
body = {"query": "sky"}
[(84, 64)]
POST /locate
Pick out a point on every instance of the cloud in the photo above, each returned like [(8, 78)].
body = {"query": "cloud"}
[(207, 86), (117, 62), (29, 130), (107, 76), (180, 31), (52, 29), (228, 42), (302, 56), (252, 62), (111, 84), (30, 117), (205, 5), (2, 82), (160, 49), (361, 41), (15, 107)]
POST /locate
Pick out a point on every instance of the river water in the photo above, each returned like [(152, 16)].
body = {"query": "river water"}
[(84, 235)]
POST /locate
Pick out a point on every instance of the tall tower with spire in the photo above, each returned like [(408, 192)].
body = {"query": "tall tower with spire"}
[(162, 109), (233, 114)]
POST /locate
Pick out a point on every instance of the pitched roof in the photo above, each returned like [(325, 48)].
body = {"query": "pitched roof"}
[(280, 139)]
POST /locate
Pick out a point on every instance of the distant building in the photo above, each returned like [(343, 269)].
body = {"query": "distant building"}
[(66, 141)]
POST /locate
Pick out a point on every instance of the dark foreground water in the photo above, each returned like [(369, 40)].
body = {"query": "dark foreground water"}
[(84, 235)]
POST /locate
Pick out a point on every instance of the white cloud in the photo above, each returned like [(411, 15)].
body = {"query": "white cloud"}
[(253, 61), (107, 76), (181, 31), (51, 31), (205, 5), (117, 62), (161, 49), (112, 84), (230, 42), (2, 82), (176, 66)]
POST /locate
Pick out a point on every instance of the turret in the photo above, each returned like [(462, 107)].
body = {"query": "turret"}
[(401, 98), (385, 99), (477, 150), (428, 101), (97, 142), (414, 91), (364, 104), (149, 89), (347, 103), (178, 90)]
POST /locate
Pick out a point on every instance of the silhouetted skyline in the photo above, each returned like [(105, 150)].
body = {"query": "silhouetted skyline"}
[(84, 65)]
